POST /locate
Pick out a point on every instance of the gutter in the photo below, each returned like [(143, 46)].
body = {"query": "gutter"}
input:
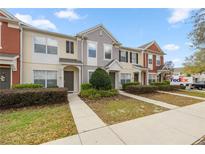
[(21, 53)]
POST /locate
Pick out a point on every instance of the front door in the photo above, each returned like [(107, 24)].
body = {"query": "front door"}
[(136, 77), (69, 80), (112, 75), (5, 78)]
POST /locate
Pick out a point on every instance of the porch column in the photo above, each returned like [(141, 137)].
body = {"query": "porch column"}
[(147, 77), (61, 76), (140, 77), (79, 77)]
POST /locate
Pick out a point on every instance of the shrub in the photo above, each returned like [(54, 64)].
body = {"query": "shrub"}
[(27, 86), (95, 94), (136, 89), (130, 83), (165, 82), (100, 79), (168, 87), (27, 97), (85, 86)]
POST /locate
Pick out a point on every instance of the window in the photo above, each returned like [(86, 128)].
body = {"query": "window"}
[(0, 35), (134, 58), (89, 75), (150, 59), (152, 78), (46, 78), (69, 47), (158, 60), (52, 46), (92, 47), (125, 78), (123, 56), (107, 51), (46, 46), (39, 45)]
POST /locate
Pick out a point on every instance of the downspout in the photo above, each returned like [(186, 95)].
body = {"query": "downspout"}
[(82, 60), (21, 53)]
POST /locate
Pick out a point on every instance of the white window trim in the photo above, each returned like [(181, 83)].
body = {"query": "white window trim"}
[(159, 60), (125, 56), (45, 76), (91, 58), (104, 50), (88, 77), (134, 53), (0, 35), (46, 38), (149, 59)]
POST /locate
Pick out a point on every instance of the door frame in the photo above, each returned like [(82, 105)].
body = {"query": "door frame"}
[(73, 79), (115, 86), (11, 75)]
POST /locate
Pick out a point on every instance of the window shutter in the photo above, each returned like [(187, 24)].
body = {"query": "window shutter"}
[(119, 55), (136, 58), (67, 46), (72, 47), (126, 56), (130, 57)]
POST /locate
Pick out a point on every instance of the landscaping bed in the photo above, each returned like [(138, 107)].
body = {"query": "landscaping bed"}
[(171, 99), (191, 93), (120, 108), (36, 124)]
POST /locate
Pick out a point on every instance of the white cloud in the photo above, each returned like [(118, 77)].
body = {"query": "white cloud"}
[(177, 60), (171, 47), (179, 15), (40, 23), (69, 14)]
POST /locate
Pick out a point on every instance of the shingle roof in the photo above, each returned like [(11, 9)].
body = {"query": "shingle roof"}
[(66, 60)]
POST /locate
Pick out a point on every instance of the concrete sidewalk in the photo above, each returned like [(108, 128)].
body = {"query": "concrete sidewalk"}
[(159, 103), (183, 125), (183, 95)]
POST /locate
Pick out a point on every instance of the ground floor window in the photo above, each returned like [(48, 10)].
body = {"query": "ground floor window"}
[(89, 75), (46, 78), (125, 78), (152, 78)]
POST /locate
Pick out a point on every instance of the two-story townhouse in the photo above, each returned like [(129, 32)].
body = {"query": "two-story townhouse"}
[(9, 50), (50, 59), (99, 48), (153, 59)]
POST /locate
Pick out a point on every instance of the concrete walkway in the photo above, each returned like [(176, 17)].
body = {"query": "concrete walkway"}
[(183, 125), (183, 95), (159, 103)]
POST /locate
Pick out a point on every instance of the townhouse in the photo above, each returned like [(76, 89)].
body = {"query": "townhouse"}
[(9, 50), (58, 60)]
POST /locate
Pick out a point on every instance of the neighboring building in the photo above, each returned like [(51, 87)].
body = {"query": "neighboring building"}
[(197, 77), (9, 50), (58, 60)]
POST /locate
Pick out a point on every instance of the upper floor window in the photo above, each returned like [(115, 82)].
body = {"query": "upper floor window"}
[(149, 59), (123, 56), (0, 35), (158, 60), (92, 49), (43, 45), (69, 47), (107, 51), (52, 46), (46, 78), (133, 57)]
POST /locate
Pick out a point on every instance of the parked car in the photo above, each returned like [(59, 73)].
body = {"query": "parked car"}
[(199, 85)]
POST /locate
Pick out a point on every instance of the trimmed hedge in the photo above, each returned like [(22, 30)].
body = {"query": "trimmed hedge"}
[(95, 94), (14, 98), (130, 83), (27, 86), (150, 89), (85, 86), (165, 82), (136, 89)]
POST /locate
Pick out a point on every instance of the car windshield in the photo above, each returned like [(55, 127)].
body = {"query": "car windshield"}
[(202, 82)]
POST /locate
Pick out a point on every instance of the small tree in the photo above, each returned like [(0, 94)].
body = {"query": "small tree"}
[(100, 79)]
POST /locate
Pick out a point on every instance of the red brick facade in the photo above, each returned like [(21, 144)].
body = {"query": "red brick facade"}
[(10, 42)]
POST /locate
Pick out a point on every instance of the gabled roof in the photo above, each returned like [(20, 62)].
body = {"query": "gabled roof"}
[(112, 62), (149, 44), (100, 26)]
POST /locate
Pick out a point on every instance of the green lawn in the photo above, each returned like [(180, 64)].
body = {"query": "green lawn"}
[(35, 125), (120, 108), (192, 93), (171, 99)]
